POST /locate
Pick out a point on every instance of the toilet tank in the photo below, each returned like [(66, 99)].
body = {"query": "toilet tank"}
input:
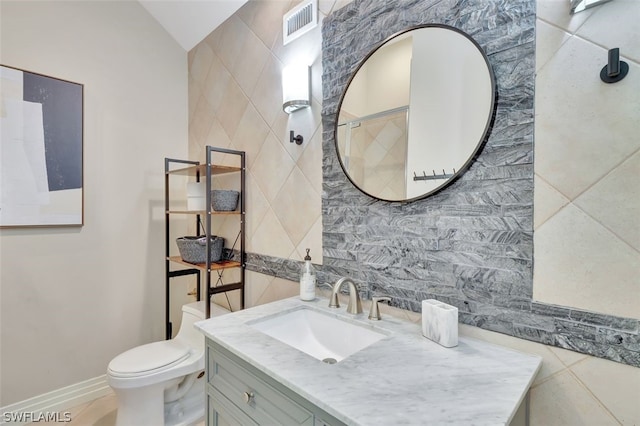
[(191, 313)]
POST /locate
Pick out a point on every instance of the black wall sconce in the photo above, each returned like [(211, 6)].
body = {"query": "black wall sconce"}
[(297, 139), (615, 70)]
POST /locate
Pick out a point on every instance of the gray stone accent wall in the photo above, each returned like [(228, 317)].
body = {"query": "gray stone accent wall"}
[(471, 244), (287, 269)]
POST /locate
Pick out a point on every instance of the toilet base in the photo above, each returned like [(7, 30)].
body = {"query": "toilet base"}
[(141, 406), (146, 406), (187, 410)]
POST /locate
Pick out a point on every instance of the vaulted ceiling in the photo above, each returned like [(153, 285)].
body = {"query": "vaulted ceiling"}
[(190, 21)]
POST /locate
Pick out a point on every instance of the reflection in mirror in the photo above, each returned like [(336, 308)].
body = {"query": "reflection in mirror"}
[(580, 5), (415, 113)]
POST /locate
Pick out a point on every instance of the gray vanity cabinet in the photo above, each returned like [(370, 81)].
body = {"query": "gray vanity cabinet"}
[(240, 394)]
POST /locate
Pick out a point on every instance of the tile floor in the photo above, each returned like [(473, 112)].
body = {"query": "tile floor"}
[(99, 412)]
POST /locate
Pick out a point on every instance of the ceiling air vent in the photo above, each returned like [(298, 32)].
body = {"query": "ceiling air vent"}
[(299, 20)]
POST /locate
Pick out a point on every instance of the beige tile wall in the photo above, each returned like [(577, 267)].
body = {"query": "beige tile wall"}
[(587, 205), (587, 150), (232, 106), (235, 101)]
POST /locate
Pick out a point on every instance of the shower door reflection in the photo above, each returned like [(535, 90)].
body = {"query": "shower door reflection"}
[(374, 151)]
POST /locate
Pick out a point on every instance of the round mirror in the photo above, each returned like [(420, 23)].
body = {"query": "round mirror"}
[(415, 113)]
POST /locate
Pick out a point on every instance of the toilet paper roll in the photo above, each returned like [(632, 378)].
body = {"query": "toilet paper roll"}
[(440, 322)]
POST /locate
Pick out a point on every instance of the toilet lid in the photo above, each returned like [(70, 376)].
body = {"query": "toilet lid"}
[(149, 357)]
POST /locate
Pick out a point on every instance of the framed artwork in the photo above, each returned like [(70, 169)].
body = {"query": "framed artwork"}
[(41, 150)]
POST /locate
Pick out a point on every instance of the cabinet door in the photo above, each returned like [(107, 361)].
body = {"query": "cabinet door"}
[(221, 412), (319, 422), (256, 398), (238, 387)]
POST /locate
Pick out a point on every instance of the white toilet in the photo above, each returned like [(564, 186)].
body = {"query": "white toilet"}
[(163, 382)]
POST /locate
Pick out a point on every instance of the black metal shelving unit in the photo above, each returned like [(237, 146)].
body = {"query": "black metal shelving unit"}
[(237, 259)]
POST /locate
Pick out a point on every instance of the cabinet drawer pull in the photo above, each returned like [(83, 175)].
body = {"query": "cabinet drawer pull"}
[(248, 397)]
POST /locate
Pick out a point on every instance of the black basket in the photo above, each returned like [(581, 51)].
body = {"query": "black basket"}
[(194, 249)]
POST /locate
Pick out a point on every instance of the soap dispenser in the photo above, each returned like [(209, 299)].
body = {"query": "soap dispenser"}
[(307, 279)]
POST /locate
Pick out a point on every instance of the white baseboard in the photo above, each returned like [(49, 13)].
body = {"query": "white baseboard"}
[(56, 401)]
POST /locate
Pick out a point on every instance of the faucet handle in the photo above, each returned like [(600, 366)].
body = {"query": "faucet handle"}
[(374, 312)]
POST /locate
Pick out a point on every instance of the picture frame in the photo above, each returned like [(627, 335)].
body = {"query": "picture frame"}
[(41, 150)]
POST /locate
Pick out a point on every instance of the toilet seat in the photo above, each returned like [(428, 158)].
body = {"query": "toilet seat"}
[(149, 358), (159, 376)]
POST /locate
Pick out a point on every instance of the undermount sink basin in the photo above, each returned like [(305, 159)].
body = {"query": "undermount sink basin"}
[(325, 337)]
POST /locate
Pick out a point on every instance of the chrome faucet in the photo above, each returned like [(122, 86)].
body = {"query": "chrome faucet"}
[(355, 306)]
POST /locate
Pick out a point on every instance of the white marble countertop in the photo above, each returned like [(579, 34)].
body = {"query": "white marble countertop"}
[(401, 379)]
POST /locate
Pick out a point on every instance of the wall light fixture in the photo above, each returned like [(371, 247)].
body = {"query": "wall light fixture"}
[(296, 87)]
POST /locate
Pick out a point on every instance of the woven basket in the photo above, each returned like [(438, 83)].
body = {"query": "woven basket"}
[(194, 249), (224, 200)]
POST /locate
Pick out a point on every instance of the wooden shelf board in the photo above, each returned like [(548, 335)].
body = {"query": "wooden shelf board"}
[(202, 168), (225, 264), (200, 212)]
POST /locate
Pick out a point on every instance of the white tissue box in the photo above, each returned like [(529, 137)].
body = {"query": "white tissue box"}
[(440, 322)]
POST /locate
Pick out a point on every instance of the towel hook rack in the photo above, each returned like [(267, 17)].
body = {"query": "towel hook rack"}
[(435, 176)]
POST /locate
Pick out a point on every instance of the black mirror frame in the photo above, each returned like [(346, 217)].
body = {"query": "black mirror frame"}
[(482, 141)]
